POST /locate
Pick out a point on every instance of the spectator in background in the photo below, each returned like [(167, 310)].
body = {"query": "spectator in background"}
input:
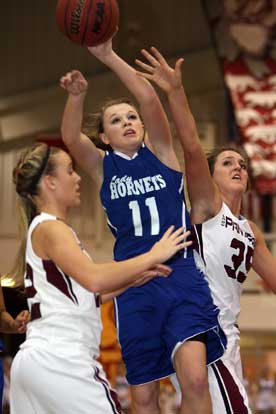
[(9, 325)]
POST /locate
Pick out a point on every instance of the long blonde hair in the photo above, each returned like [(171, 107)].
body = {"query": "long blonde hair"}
[(33, 164)]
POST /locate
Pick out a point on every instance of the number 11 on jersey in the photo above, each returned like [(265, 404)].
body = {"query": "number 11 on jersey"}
[(136, 216)]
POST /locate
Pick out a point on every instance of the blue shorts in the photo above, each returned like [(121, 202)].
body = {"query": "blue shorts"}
[(154, 318)]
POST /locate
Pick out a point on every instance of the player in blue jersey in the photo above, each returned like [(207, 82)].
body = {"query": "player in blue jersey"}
[(227, 244), (162, 327)]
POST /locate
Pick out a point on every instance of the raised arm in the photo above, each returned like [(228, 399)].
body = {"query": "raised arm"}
[(264, 263), (54, 240), (80, 146), (203, 194), (154, 116)]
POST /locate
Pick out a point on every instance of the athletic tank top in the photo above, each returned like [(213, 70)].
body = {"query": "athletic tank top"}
[(64, 315), (224, 247), (142, 197)]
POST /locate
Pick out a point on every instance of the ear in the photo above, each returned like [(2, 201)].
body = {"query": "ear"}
[(104, 138), (49, 181)]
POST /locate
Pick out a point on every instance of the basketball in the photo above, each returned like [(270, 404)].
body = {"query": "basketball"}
[(87, 22)]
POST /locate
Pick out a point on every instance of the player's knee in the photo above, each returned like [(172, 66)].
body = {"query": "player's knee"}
[(146, 398), (198, 385)]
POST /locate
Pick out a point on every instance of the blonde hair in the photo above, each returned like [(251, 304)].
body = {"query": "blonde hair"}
[(33, 164)]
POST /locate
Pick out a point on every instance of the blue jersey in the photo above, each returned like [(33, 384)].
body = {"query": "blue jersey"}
[(142, 197)]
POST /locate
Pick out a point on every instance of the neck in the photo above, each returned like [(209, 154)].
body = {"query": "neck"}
[(233, 202), (129, 152), (54, 210)]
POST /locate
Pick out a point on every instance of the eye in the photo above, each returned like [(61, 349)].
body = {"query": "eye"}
[(115, 120), (226, 162), (133, 116), (243, 166)]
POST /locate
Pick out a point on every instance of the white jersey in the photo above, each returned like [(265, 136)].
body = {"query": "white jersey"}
[(62, 311), (224, 250), (55, 370)]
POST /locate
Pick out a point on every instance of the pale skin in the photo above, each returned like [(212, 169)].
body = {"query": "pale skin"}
[(124, 131), (230, 179), (54, 240)]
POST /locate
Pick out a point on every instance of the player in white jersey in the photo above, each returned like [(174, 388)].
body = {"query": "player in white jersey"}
[(227, 244), (56, 370)]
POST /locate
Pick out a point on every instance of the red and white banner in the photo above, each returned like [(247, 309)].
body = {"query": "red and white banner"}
[(245, 37), (254, 102)]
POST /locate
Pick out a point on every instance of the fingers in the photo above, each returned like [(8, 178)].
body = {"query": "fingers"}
[(162, 268), (144, 75), (178, 66), (158, 55), (184, 244), (145, 66), (150, 58), (168, 232), (26, 316), (23, 317), (73, 82), (159, 270)]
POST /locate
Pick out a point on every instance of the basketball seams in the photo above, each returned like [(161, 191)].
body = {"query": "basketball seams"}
[(113, 18), (104, 36), (87, 21), (68, 4)]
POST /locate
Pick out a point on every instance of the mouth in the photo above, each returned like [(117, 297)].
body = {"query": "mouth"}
[(129, 132), (236, 177)]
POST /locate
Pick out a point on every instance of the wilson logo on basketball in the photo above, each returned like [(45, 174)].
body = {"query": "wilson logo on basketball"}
[(99, 17), (76, 17)]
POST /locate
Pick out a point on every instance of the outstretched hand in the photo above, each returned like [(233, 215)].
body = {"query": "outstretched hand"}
[(159, 72), (171, 242), (74, 83)]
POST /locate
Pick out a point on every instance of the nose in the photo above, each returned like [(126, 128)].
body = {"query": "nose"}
[(127, 122), (238, 167), (78, 178)]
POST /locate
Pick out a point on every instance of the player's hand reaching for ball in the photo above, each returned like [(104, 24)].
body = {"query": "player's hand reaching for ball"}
[(158, 71), (102, 50), (74, 83), (171, 242)]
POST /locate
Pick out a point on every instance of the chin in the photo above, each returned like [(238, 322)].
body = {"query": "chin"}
[(77, 202)]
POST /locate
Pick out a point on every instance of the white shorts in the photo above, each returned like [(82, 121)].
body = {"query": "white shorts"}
[(228, 393), (45, 383)]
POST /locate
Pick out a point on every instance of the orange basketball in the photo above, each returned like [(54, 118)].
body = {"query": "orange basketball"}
[(87, 22)]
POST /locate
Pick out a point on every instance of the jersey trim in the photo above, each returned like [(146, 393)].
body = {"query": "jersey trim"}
[(232, 398)]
